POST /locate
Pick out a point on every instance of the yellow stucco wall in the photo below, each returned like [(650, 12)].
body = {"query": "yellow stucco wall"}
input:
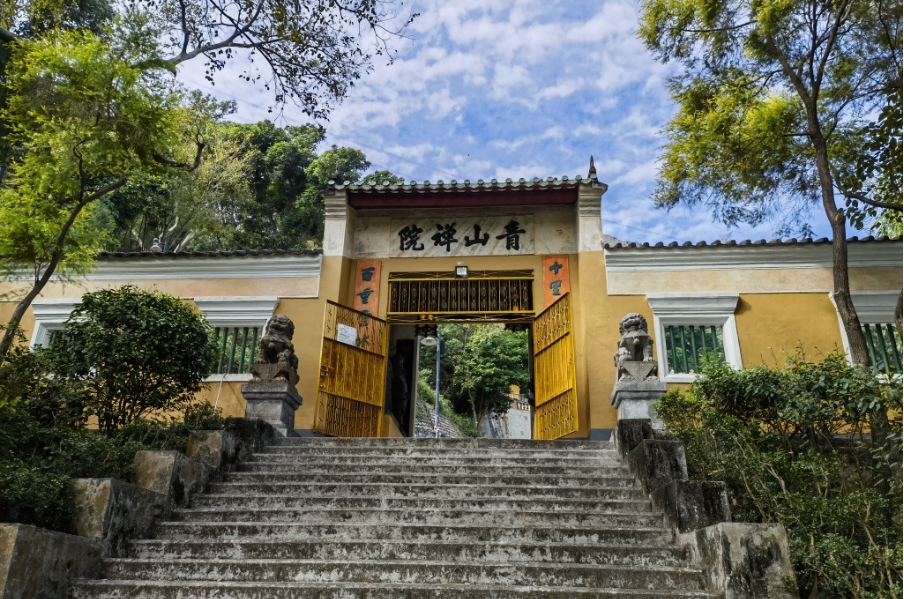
[(771, 321), (771, 326), (777, 280)]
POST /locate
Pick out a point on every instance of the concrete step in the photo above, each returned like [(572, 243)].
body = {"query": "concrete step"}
[(582, 553), (438, 470), (407, 442), (230, 531), (425, 491), (474, 479), (487, 504), (146, 589), (418, 462), (421, 572), (426, 517), (443, 452)]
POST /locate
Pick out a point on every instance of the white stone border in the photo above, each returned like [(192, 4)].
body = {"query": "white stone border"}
[(50, 314), (873, 307), (760, 257), (250, 311), (695, 309)]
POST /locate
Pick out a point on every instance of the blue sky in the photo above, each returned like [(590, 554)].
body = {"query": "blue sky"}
[(521, 88)]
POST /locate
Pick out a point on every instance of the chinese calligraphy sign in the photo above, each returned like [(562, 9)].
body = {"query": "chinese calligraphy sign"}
[(462, 236), (556, 278), (367, 286)]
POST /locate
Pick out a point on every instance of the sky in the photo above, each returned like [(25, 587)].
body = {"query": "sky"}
[(483, 89)]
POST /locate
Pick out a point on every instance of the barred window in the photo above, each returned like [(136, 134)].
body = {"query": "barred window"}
[(236, 348), (685, 346), (884, 346)]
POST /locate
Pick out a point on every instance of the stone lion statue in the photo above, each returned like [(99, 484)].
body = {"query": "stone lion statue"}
[(634, 358), (276, 359)]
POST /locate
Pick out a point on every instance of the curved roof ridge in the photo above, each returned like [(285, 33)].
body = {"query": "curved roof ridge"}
[(745, 242)]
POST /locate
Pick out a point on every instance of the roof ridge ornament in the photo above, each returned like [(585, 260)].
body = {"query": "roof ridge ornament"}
[(591, 174)]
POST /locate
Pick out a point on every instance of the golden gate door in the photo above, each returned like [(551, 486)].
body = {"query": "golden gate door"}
[(352, 373), (555, 389)]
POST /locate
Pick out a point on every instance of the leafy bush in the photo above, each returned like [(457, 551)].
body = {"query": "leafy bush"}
[(31, 495), (133, 353), (795, 446), (427, 395), (44, 443)]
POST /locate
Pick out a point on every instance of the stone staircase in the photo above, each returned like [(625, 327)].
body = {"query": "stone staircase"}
[(411, 518)]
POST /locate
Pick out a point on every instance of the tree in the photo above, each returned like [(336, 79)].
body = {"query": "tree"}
[(479, 365), (381, 177), (87, 115), (777, 106), (310, 52), (135, 352), (177, 207), (62, 82)]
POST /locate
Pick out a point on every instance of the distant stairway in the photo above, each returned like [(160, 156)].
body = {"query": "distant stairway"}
[(411, 518)]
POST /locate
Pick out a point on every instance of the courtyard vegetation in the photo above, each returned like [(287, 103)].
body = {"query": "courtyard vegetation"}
[(782, 107), (118, 378), (478, 366), (798, 446)]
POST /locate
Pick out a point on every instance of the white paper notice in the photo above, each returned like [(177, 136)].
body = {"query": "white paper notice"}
[(347, 335)]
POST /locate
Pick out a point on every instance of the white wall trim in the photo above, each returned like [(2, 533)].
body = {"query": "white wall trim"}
[(873, 307), (49, 316), (237, 267), (228, 378), (762, 257), (239, 311), (695, 309)]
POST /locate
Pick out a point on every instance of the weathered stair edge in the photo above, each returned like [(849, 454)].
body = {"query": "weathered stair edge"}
[(35, 562), (740, 560)]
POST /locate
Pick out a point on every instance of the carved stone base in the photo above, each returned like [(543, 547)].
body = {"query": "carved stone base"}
[(273, 402), (633, 399)]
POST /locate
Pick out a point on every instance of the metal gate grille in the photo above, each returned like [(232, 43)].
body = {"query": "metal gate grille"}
[(352, 373), (554, 372), (461, 296)]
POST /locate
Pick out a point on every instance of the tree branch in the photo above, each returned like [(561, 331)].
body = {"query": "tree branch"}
[(160, 158), (718, 29), (856, 195), (830, 44), (7, 36), (104, 190)]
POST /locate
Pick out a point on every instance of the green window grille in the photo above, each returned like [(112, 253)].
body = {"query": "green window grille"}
[(236, 348), (884, 346), (685, 346)]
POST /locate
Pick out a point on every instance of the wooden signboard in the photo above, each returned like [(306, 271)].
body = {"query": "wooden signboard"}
[(367, 286), (556, 278)]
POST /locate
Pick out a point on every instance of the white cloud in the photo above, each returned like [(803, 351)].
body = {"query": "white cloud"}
[(519, 88)]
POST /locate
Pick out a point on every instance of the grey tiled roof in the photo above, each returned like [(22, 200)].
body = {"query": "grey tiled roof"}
[(109, 255), (746, 242), (564, 182)]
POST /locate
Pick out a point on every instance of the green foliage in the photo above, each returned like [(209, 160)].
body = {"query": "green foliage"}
[(86, 118), (43, 442), (178, 206), (793, 446), (30, 495), (478, 366), (426, 395), (133, 353), (766, 90), (284, 177)]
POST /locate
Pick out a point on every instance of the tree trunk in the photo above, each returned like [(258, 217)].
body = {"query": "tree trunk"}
[(12, 327), (899, 313), (59, 251), (841, 291)]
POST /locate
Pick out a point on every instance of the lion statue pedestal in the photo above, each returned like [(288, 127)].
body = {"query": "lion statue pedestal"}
[(271, 394), (637, 383)]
